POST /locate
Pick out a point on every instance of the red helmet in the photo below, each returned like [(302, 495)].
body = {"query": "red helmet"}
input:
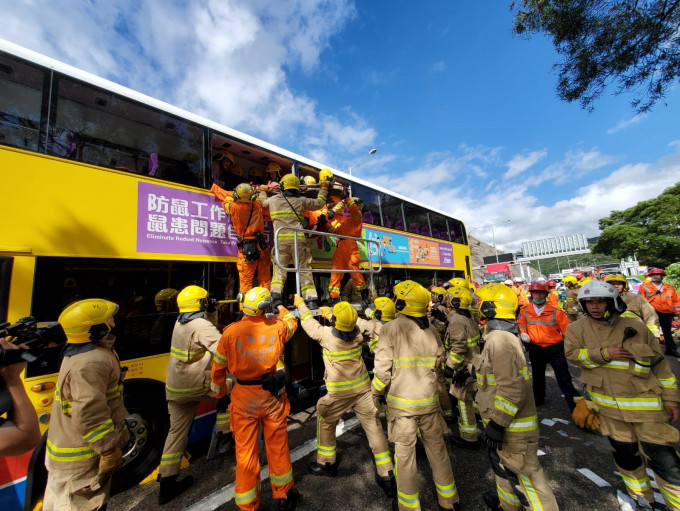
[(579, 276), (538, 286), (551, 283), (655, 271)]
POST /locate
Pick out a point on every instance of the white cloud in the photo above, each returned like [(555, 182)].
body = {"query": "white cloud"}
[(574, 165), (439, 66), (624, 123), (521, 162)]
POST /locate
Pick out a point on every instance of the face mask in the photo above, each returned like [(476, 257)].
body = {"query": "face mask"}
[(541, 302), (657, 279)]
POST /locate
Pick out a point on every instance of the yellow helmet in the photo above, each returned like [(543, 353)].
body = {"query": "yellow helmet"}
[(345, 316), (364, 265), (256, 301), (244, 193), (498, 301), (221, 154), (87, 320), (272, 166), (617, 277), (309, 180), (290, 181), (325, 175), (438, 294), (165, 295), (237, 170), (254, 172), (584, 280), (384, 309), (412, 299), (459, 297), (569, 279), (189, 299), (458, 282)]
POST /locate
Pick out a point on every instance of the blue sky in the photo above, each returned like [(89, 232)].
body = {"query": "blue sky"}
[(463, 114)]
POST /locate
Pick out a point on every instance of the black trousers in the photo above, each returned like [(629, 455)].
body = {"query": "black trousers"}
[(665, 320), (540, 357)]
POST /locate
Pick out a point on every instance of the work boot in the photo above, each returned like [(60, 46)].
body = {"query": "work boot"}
[(457, 441), (388, 484), (672, 352), (291, 500), (491, 500), (171, 487), (659, 506), (277, 300), (225, 441), (311, 304), (327, 469), (333, 301)]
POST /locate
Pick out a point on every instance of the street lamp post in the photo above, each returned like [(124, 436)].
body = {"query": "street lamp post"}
[(493, 234), (349, 169)]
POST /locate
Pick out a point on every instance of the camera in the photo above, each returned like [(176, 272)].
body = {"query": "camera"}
[(36, 336)]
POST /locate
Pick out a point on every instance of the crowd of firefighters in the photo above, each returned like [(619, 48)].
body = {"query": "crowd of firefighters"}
[(452, 343)]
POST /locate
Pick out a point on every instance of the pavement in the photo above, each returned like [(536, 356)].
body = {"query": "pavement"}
[(567, 449)]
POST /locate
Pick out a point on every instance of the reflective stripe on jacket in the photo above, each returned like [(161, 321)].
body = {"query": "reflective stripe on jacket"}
[(545, 329), (664, 300), (463, 336), (638, 307)]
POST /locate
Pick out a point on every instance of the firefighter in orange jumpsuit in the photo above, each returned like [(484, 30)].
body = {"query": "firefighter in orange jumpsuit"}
[(247, 218), (553, 295), (666, 302), (250, 349), (346, 254)]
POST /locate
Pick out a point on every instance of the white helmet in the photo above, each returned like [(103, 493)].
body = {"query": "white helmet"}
[(518, 279), (599, 290), (540, 279), (508, 282)]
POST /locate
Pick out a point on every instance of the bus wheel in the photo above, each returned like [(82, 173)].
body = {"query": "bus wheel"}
[(148, 424)]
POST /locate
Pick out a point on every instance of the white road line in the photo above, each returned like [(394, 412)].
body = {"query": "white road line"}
[(226, 494)]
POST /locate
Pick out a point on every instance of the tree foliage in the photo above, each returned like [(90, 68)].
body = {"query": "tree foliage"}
[(633, 45), (650, 229)]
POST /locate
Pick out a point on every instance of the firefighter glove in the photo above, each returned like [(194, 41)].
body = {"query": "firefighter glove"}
[(379, 401), (109, 461), (324, 185), (331, 214), (326, 311), (493, 435), (264, 188), (460, 377), (525, 337), (448, 372), (298, 300), (583, 416), (322, 220)]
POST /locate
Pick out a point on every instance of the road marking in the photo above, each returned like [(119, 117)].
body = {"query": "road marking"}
[(226, 494)]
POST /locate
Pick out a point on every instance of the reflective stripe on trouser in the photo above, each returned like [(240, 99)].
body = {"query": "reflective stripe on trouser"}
[(402, 431), (222, 422), (245, 425), (246, 271), (467, 422), (330, 409), (304, 261), (444, 400), (345, 257), (523, 478), (71, 490), (637, 481), (181, 417)]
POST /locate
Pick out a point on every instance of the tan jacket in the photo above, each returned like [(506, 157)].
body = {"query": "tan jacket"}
[(88, 414), (622, 389), (504, 392), (571, 305), (191, 353), (463, 336), (283, 216), (438, 323), (346, 374), (640, 308), (371, 329), (406, 364)]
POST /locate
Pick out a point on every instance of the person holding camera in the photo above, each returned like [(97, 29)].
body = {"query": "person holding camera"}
[(251, 349), (247, 217), (87, 428), (20, 432), (187, 383)]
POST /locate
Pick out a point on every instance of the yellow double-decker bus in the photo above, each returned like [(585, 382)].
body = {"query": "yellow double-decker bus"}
[(105, 193)]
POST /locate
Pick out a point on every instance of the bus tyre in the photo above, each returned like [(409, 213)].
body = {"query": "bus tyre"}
[(148, 424)]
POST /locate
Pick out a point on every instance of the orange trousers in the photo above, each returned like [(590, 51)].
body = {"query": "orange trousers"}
[(251, 405), (346, 257), (246, 271)]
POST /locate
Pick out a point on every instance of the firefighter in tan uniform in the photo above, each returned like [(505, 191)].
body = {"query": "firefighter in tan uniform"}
[(88, 425), (384, 311), (194, 344), (506, 403), (407, 359), (571, 306), (349, 388), (463, 336), (632, 389), (636, 305), (438, 315), (287, 210)]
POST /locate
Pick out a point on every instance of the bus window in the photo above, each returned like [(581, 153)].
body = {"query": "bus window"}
[(108, 130), (457, 231), (20, 102), (416, 219), (393, 216), (439, 227), (371, 200)]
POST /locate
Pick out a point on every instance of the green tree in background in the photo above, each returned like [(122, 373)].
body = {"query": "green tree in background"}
[(650, 229), (631, 45)]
